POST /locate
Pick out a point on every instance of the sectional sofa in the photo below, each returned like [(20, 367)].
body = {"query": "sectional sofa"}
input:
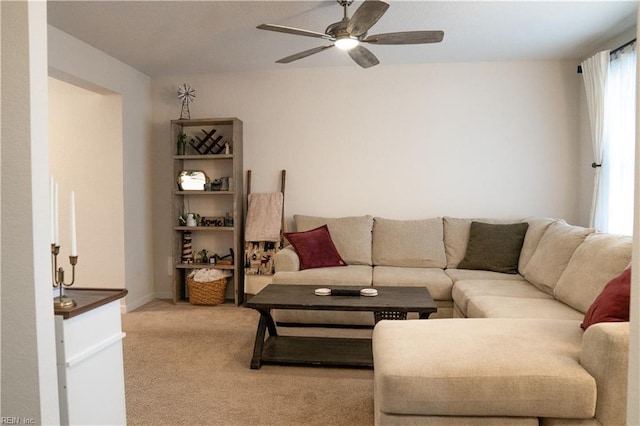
[(508, 347)]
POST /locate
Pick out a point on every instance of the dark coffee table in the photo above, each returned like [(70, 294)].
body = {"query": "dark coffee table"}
[(390, 303)]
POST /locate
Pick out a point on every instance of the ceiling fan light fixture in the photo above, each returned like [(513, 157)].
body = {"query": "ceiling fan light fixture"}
[(346, 43)]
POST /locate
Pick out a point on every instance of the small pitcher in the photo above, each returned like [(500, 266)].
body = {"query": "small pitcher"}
[(191, 219), (225, 184)]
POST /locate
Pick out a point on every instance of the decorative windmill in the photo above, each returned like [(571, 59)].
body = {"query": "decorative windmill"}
[(186, 94)]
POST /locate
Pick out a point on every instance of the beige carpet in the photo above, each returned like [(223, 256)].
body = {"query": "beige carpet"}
[(187, 364)]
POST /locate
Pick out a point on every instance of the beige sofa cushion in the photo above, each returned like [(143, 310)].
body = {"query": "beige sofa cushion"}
[(537, 228), (435, 280), (409, 243), (482, 367), (351, 235), (552, 256), (464, 291), (322, 277), (456, 235), (520, 307), (600, 258)]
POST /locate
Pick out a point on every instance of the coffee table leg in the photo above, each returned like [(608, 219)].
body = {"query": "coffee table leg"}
[(266, 322), (271, 325)]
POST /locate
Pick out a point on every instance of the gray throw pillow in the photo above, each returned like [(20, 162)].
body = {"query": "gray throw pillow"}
[(494, 247)]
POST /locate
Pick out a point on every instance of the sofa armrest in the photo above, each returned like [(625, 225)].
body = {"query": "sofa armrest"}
[(604, 355), (286, 260)]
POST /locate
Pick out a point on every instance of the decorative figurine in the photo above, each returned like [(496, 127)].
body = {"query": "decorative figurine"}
[(187, 251), (182, 143), (186, 94), (205, 258)]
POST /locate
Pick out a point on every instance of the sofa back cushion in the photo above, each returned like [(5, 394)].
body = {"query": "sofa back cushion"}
[(351, 235), (553, 253), (599, 259), (456, 236), (537, 228), (408, 243)]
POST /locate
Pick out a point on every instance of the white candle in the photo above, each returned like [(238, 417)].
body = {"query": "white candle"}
[(52, 208), (56, 235), (74, 243)]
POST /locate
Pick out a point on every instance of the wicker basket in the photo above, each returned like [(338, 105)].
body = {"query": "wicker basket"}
[(389, 315), (207, 293)]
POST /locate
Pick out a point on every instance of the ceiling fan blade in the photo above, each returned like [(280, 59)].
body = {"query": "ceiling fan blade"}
[(363, 57), (406, 37), (295, 31), (303, 54), (366, 16)]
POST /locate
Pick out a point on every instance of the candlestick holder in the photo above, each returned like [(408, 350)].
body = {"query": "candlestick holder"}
[(58, 278)]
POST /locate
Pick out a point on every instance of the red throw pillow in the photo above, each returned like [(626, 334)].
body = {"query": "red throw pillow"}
[(612, 305), (315, 248)]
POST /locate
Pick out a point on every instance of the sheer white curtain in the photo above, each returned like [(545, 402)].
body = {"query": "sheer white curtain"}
[(595, 71), (610, 84), (619, 144)]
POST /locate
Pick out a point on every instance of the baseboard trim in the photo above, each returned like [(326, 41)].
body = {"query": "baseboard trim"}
[(128, 305)]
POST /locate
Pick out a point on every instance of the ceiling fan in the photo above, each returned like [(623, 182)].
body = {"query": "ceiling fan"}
[(349, 34)]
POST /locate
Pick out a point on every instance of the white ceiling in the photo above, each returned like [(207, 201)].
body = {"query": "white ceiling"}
[(185, 37)]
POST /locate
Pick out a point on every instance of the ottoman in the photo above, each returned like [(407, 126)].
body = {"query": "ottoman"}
[(480, 371)]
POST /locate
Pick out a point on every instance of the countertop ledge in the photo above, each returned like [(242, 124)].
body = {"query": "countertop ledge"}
[(88, 299)]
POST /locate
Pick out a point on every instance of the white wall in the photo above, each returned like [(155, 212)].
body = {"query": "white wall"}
[(79, 63), (29, 379), (85, 156), (463, 139)]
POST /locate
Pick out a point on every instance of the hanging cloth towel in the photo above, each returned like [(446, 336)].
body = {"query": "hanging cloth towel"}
[(264, 217)]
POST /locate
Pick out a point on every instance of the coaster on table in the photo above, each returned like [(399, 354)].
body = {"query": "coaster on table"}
[(322, 292), (368, 292)]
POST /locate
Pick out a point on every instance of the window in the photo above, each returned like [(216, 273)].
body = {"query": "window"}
[(610, 83), (617, 181)]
